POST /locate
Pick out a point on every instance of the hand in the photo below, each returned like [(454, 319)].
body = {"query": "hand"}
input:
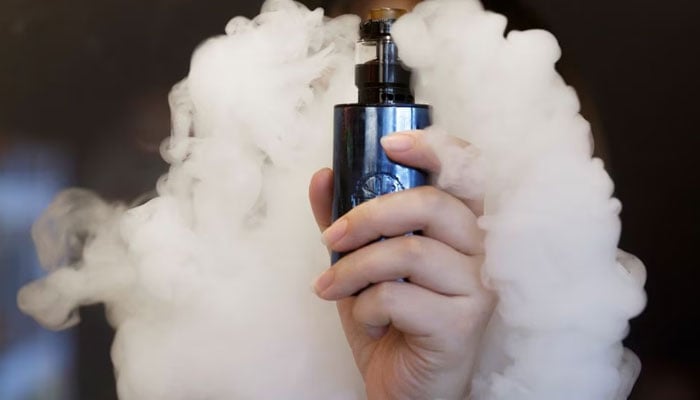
[(416, 339)]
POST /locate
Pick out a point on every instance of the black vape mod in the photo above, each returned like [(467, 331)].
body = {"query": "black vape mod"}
[(362, 171)]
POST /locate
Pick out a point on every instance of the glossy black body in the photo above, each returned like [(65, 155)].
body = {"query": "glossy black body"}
[(362, 169)]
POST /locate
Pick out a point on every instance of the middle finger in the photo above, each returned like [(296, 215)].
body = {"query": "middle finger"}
[(437, 214)]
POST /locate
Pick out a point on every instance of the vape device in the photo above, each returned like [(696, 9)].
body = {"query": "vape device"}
[(362, 171)]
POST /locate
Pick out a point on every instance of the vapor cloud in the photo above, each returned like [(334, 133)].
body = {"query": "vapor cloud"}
[(207, 284)]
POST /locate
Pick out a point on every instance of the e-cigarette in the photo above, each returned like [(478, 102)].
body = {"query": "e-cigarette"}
[(362, 171)]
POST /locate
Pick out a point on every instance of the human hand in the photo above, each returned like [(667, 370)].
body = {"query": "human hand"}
[(416, 339)]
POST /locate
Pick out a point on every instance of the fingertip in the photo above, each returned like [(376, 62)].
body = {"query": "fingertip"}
[(412, 132), (322, 283), (322, 176), (321, 196), (398, 142), (320, 184), (410, 148)]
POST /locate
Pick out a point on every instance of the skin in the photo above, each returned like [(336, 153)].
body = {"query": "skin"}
[(415, 339)]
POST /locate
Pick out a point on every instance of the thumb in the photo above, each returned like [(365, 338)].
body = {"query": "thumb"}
[(321, 197)]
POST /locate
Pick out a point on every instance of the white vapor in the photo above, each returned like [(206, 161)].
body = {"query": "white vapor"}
[(207, 284)]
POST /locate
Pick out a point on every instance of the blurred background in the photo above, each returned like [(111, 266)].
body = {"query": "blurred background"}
[(83, 102)]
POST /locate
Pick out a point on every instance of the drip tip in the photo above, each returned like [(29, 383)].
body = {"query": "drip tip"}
[(385, 13), (379, 21)]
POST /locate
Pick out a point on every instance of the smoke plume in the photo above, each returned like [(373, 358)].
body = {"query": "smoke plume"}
[(207, 284)]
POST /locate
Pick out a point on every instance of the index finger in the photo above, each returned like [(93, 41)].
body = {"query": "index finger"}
[(417, 149)]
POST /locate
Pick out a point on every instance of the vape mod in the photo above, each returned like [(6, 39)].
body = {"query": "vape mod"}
[(385, 105)]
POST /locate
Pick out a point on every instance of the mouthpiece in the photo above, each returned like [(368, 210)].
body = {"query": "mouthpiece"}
[(385, 13)]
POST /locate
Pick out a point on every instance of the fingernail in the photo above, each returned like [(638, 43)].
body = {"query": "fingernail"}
[(398, 142), (334, 232), (323, 281)]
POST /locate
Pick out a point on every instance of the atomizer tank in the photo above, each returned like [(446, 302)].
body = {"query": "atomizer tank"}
[(362, 171)]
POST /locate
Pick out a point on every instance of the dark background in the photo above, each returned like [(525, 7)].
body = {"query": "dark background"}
[(91, 77)]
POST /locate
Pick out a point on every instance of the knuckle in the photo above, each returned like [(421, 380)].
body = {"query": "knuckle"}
[(487, 300), (430, 198), (358, 313), (362, 268), (413, 247), (475, 311), (465, 320), (459, 142), (360, 218), (385, 294), (368, 211)]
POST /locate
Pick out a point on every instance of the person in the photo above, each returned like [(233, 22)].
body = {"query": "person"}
[(416, 339)]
